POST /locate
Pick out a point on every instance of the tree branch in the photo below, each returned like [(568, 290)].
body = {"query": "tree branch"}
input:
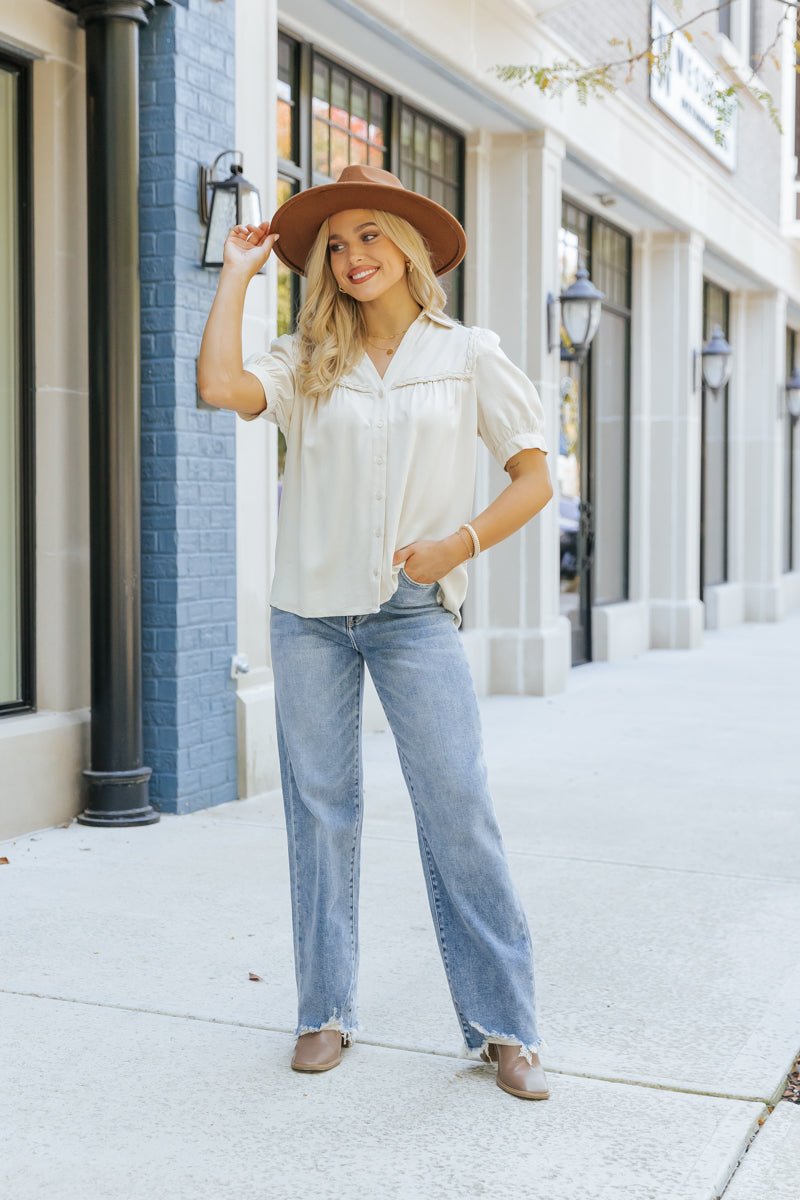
[(598, 78)]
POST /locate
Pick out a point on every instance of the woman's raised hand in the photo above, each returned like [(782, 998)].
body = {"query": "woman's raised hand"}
[(247, 247)]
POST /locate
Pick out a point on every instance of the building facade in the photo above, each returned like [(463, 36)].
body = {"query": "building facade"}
[(676, 508)]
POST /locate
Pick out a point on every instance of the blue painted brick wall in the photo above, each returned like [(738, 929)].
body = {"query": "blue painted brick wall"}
[(188, 454)]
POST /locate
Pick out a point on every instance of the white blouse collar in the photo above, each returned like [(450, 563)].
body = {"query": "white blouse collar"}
[(364, 376)]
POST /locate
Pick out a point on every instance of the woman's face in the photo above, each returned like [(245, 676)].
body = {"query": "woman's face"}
[(364, 261)]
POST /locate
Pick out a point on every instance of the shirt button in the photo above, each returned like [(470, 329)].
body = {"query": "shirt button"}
[(378, 460), (380, 424), (379, 495), (376, 572), (378, 532)]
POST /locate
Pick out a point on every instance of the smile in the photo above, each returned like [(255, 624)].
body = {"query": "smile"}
[(360, 276)]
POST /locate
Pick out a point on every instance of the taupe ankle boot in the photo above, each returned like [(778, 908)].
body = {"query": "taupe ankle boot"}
[(318, 1051), (513, 1073)]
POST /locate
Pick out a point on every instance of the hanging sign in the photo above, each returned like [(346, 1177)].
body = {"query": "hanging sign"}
[(683, 91)]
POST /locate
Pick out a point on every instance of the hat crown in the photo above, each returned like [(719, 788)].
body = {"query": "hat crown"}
[(360, 173)]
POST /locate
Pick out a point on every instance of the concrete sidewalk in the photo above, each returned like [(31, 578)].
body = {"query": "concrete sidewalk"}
[(651, 815)]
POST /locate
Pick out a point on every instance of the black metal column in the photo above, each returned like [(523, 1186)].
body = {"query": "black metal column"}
[(117, 780)]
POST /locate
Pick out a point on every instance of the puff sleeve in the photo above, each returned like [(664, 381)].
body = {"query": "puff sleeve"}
[(275, 369), (510, 413)]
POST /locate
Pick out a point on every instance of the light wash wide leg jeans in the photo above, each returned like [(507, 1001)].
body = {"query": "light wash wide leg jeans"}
[(420, 670)]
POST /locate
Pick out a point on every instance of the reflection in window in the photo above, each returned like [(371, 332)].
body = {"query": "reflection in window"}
[(573, 243), (288, 182), (349, 121), (288, 281), (569, 489), (431, 162), (287, 99)]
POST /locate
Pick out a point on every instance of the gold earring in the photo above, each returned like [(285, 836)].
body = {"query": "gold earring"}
[(409, 265)]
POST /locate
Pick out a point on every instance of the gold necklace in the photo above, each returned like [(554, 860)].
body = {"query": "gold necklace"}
[(387, 338)]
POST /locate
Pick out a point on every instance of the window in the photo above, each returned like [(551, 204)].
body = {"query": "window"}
[(289, 181), (714, 468), (350, 121), (739, 21), (432, 163), (16, 392), (725, 18), (752, 34), (789, 435)]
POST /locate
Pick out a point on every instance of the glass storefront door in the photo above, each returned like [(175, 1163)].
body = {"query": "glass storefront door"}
[(789, 440), (594, 432), (576, 533)]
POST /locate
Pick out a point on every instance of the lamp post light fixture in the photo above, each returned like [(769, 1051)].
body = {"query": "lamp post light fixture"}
[(793, 393), (233, 201), (579, 306), (716, 361)]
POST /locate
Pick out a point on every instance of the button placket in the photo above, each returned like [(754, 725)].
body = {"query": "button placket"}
[(380, 443)]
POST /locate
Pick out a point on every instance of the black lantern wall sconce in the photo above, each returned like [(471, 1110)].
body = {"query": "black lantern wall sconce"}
[(223, 203), (713, 364), (573, 317), (792, 392)]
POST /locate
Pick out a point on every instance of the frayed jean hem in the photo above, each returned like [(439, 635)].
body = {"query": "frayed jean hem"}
[(333, 1023), (526, 1050)]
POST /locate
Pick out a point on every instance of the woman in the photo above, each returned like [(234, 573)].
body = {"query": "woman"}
[(380, 396)]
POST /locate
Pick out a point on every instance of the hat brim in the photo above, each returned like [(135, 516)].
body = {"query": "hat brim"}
[(299, 218)]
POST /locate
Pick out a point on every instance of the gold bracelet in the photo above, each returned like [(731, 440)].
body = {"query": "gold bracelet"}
[(471, 547), (476, 546)]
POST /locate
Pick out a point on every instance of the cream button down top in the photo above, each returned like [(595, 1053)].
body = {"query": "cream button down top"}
[(388, 461)]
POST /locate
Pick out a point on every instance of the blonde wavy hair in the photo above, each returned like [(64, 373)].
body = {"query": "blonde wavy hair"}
[(330, 325)]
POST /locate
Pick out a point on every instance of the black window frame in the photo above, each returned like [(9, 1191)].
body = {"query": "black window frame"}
[(21, 67)]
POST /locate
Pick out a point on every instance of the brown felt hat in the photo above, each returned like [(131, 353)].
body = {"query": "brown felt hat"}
[(298, 219)]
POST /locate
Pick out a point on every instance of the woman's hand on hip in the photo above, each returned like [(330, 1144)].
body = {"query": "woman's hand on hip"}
[(247, 248), (427, 561)]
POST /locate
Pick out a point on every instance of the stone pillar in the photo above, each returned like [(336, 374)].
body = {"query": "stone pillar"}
[(673, 326), (188, 450), (528, 641), (762, 365)]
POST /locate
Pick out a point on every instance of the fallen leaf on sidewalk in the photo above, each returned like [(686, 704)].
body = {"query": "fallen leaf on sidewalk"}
[(255, 978), (4, 861)]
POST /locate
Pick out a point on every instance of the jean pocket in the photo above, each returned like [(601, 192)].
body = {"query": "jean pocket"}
[(414, 582)]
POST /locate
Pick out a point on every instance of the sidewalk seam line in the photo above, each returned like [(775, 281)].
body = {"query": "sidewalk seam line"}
[(156, 1012)]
